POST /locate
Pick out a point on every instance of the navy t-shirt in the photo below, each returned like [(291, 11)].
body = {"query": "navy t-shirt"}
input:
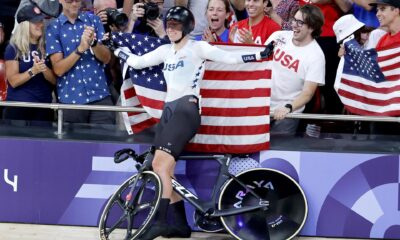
[(36, 89)]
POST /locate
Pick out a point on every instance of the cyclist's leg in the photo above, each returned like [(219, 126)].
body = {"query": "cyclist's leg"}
[(180, 121), (162, 164)]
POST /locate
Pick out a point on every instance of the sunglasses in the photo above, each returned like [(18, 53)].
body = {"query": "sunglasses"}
[(70, 1)]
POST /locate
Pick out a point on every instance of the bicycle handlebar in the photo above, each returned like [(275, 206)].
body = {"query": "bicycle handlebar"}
[(124, 154)]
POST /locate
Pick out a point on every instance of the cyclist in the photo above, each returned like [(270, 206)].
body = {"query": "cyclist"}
[(184, 64)]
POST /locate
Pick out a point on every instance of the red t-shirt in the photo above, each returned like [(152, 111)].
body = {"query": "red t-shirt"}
[(388, 40), (261, 31), (331, 13)]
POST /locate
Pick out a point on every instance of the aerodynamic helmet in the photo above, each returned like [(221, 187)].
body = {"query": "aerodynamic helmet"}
[(181, 15)]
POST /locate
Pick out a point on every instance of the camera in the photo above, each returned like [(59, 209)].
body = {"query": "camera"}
[(117, 18), (151, 11)]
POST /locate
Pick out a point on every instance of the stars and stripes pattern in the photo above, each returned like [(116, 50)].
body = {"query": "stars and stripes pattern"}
[(234, 104), (370, 81)]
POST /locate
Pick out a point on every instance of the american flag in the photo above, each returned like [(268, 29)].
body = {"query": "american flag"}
[(234, 104), (370, 81)]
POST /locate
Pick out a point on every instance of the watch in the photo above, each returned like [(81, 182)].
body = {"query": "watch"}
[(30, 72), (289, 106), (77, 52)]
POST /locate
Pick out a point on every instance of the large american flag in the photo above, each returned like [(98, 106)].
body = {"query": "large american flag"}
[(234, 104), (370, 81)]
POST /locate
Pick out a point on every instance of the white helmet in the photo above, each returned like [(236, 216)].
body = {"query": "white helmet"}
[(345, 26)]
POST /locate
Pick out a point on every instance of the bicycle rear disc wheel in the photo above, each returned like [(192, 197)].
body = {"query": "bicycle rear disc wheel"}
[(282, 218), (131, 208)]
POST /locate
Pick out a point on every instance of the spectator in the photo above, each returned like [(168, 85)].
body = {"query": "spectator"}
[(217, 15), (282, 11), (388, 13), (365, 13), (100, 5), (112, 71), (345, 27), (256, 28), (298, 67), (78, 60), (29, 78), (332, 10), (141, 24)]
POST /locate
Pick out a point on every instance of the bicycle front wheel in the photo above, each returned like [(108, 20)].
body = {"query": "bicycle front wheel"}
[(285, 204), (131, 208)]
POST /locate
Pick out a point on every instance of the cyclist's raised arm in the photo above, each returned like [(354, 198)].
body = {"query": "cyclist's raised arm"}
[(207, 51), (152, 58)]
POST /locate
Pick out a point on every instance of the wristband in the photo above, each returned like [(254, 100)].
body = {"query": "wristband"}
[(122, 55), (289, 106), (78, 53)]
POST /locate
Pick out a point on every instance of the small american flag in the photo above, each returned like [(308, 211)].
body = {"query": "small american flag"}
[(370, 81), (235, 100)]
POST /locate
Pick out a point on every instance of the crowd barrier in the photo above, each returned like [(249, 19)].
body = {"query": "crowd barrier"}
[(352, 186)]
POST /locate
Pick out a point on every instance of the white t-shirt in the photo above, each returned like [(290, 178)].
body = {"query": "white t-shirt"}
[(184, 69), (292, 66), (374, 38)]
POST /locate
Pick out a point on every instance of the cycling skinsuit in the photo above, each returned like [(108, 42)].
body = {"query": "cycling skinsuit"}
[(183, 71)]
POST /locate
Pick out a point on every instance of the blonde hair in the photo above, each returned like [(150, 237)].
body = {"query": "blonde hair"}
[(20, 40)]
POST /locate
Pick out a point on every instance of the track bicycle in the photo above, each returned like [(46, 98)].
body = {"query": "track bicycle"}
[(255, 204)]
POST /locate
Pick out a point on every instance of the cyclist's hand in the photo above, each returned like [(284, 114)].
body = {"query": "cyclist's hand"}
[(268, 50)]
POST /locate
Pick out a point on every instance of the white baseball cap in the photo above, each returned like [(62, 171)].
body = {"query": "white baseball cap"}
[(345, 26)]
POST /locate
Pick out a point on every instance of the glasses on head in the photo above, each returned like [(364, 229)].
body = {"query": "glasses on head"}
[(70, 1), (297, 22)]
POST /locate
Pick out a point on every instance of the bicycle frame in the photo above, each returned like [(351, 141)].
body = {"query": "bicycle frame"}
[(208, 207)]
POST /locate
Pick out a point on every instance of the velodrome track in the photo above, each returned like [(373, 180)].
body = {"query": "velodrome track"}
[(11, 231)]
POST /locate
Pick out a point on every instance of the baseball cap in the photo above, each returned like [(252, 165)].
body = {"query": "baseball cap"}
[(31, 13), (394, 3)]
